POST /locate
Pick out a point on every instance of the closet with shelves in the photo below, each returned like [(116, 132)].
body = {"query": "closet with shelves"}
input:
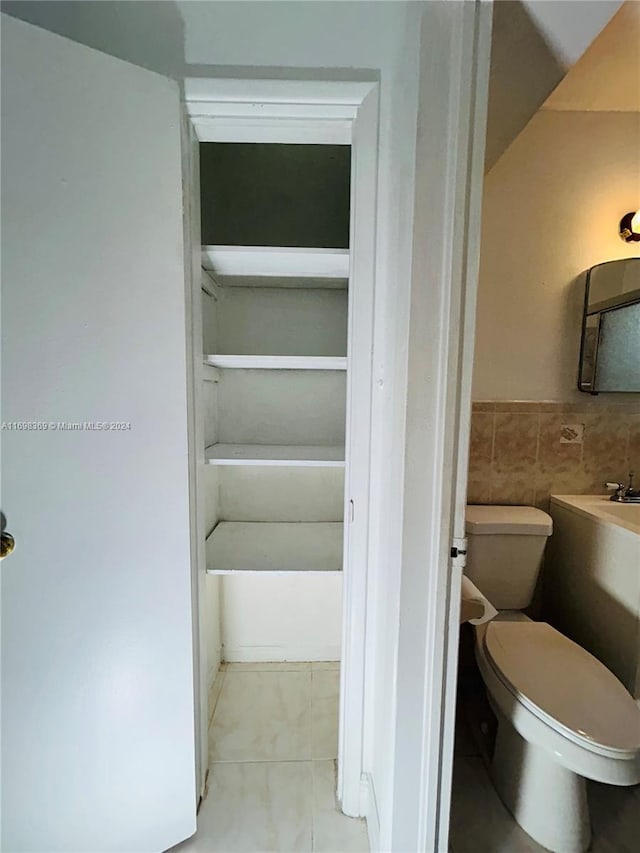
[(275, 340)]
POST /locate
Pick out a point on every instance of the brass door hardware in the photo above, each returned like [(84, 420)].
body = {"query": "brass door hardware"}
[(8, 544)]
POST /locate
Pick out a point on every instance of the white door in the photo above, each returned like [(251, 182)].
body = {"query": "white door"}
[(97, 667), (449, 180)]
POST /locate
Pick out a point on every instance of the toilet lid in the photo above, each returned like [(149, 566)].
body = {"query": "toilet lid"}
[(565, 685)]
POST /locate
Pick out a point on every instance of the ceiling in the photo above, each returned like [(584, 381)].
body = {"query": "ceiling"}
[(568, 27), (607, 77), (533, 45)]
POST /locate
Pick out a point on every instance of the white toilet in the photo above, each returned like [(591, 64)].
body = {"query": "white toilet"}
[(562, 715)]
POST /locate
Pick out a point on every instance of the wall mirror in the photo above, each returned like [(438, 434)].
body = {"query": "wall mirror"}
[(610, 344)]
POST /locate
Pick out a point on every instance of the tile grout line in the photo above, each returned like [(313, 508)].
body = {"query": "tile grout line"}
[(533, 475), (311, 679), (493, 450), (320, 678), (311, 715), (220, 674), (628, 442), (313, 807), (280, 669), (262, 761)]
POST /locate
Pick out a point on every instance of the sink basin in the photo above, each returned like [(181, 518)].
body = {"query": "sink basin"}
[(626, 512), (603, 510)]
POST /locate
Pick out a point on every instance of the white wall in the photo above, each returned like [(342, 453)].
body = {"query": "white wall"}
[(551, 210), (351, 40), (211, 609), (329, 40), (149, 33), (302, 620)]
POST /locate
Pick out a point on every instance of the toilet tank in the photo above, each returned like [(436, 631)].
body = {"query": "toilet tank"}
[(504, 552)]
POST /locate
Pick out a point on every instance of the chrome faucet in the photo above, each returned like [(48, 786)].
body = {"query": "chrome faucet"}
[(625, 494)]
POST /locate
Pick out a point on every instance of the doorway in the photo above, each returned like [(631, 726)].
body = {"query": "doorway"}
[(283, 306), (275, 256)]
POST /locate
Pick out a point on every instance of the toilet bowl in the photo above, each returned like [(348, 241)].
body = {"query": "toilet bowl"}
[(563, 717)]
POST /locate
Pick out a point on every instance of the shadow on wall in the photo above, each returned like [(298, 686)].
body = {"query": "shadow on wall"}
[(572, 309), (149, 34), (524, 72), (578, 578)]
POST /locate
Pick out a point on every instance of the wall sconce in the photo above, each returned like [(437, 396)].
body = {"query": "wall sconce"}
[(630, 227)]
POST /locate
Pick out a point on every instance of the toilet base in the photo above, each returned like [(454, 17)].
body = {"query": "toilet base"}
[(548, 801)]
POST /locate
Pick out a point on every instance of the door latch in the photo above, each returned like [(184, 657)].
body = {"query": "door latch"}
[(459, 550)]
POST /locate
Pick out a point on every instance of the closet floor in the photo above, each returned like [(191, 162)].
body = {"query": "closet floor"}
[(273, 740)]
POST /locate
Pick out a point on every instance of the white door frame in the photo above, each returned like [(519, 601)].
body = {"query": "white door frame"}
[(318, 112), (475, 53), (196, 447), (449, 181)]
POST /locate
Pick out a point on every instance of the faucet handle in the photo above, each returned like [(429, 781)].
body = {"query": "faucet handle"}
[(619, 491), (631, 493)]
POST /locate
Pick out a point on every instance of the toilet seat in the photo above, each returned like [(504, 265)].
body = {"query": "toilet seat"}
[(564, 686)]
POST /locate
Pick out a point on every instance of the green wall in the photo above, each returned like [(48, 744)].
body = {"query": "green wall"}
[(256, 194)]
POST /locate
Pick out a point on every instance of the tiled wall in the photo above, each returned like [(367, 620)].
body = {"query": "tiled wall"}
[(517, 455)]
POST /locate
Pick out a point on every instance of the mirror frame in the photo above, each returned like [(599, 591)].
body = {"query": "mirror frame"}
[(630, 298)]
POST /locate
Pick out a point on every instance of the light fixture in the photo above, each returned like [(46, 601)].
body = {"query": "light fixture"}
[(630, 227)]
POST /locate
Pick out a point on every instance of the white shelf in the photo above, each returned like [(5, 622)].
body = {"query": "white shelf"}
[(301, 456), (255, 266), (276, 547), (277, 362)]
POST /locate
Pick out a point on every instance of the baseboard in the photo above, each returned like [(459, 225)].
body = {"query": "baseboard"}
[(370, 810), (263, 654)]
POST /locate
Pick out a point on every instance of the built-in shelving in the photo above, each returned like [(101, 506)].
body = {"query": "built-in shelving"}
[(275, 547), (276, 362), (309, 456), (267, 266), (275, 340)]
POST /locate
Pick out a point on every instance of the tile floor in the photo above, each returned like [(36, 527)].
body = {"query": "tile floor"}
[(481, 824), (273, 742)]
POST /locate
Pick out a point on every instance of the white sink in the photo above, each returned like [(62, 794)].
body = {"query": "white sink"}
[(592, 580), (602, 509), (626, 512)]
